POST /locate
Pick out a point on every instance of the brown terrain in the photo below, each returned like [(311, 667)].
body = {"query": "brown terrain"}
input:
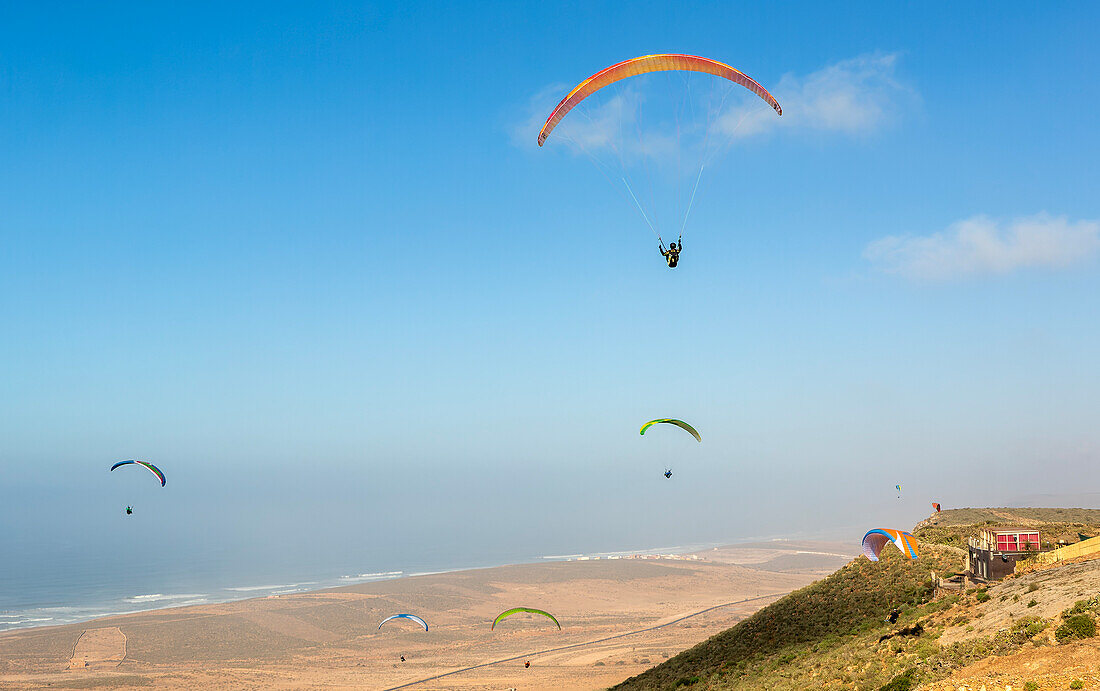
[(1046, 667), (1042, 593), (619, 617)]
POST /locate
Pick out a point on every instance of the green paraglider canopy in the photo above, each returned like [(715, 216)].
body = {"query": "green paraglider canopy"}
[(672, 421), (516, 610)]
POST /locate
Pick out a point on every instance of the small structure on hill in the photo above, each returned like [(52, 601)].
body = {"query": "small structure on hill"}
[(994, 553)]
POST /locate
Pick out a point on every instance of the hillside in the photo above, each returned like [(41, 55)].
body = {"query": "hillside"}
[(833, 633), (952, 527), (1023, 516)]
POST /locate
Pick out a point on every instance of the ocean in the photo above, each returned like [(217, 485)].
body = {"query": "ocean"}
[(68, 552), (73, 556), (91, 593)]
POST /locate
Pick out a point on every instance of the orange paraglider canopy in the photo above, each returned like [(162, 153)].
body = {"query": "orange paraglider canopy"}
[(664, 62)]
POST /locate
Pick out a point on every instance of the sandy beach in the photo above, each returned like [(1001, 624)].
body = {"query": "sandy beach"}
[(618, 617)]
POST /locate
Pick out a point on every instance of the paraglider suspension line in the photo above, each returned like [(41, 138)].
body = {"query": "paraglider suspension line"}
[(691, 202), (642, 211)]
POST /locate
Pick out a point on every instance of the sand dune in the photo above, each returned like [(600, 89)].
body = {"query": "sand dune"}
[(618, 617)]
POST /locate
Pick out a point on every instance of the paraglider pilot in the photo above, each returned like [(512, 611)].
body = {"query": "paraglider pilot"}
[(672, 254), (129, 510)]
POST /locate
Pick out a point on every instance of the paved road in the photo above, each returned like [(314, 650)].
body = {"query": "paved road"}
[(581, 645)]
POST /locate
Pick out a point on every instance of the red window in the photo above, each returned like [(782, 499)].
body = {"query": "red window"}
[(1017, 542)]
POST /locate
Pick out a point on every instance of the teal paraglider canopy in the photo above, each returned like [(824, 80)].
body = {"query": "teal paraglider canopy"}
[(152, 468)]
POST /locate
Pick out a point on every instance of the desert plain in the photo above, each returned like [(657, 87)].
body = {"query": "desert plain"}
[(618, 616)]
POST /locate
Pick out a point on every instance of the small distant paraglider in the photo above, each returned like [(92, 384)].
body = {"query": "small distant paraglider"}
[(936, 506), (671, 421), (147, 465), (877, 538), (516, 610), (898, 488), (410, 617)]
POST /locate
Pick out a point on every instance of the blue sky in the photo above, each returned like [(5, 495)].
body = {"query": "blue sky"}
[(303, 251)]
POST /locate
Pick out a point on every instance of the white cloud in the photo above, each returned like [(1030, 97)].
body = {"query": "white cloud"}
[(598, 127), (853, 96), (981, 245), (524, 133)]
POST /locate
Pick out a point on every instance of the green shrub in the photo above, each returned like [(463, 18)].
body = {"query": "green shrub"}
[(1078, 608), (1032, 603), (902, 682), (982, 595), (1026, 628), (1076, 626), (1077, 684), (1031, 686), (1025, 622), (1082, 606), (1033, 587)]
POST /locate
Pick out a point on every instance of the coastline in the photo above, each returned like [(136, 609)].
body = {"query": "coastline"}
[(618, 616), (75, 613)]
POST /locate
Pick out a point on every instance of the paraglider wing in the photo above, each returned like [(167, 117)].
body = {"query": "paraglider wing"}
[(516, 610), (877, 538), (152, 468), (412, 617), (665, 62), (936, 506), (671, 421)]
